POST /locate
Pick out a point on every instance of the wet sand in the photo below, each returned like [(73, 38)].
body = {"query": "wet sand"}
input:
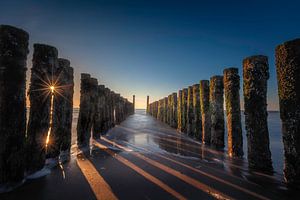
[(145, 159)]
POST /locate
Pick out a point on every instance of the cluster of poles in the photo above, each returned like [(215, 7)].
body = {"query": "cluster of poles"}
[(26, 146), (198, 110)]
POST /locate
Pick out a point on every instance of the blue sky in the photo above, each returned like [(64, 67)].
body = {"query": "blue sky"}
[(156, 47)]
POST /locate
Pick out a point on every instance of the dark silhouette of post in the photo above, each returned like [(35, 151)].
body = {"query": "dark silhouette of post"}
[(13, 55), (190, 112), (43, 71), (233, 112), (255, 76), (174, 110), (99, 117), (148, 104), (133, 102), (205, 112), (184, 110), (62, 110), (197, 125), (216, 100), (288, 76), (88, 99), (179, 111)]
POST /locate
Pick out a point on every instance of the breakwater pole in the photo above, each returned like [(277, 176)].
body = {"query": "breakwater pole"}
[(165, 109), (255, 76), (205, 111), (184, 110), (13, 56), (169, 110), (217, 111), (99, 119), (288, 76), (179, 111), (190, 112), (233, 112), (196, 125), (43, 71), (88, 97), (133, 101), (60, 137), (173, 122), (148, 108)]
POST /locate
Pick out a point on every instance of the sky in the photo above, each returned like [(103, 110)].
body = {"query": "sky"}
[(156, 47)]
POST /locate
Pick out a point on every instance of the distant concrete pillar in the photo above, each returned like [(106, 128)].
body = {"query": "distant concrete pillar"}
[(148, 104), (288, 75), (179, 111), (190, 112), (216, 100), (165, 106), (233, 112), (88, 99), (255, 76), (13, 55), (205, 112), (62, 110), (184, 110), (133, 101), (44, 67), (174, 110), (197, 125)]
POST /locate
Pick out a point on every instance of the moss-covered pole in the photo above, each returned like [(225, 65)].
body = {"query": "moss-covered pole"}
[(216, 100), (205, 112), (88, 99), (165, 109), (184, 110), (13, 55), (133, 102), (44, 65), (98, 122), (174, 110), (169, 110), (288, 76), (179, 111), (255, 76), (148, 104), (233, 112), (197, 125), (190, 112), (62, 110)]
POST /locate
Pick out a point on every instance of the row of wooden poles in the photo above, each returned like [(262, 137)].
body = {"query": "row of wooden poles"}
[(198, 110), (25, 147)]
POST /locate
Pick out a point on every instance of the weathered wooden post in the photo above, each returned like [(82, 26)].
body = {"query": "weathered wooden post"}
[(88, 98), (205, 111), (255, 75), (148, 104), (216, 100), (184, 110), (44, 67), (98, 122), (174, 110), (233, 112), (62, 110), (288, 75), (160, 110), (156, 109), (190, 112), (13, 55), (165, 109), (133, 101), (197, 125), (179, 111), (169, 110)]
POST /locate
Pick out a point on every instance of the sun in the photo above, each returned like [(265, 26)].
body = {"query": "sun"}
[(52, 88)]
